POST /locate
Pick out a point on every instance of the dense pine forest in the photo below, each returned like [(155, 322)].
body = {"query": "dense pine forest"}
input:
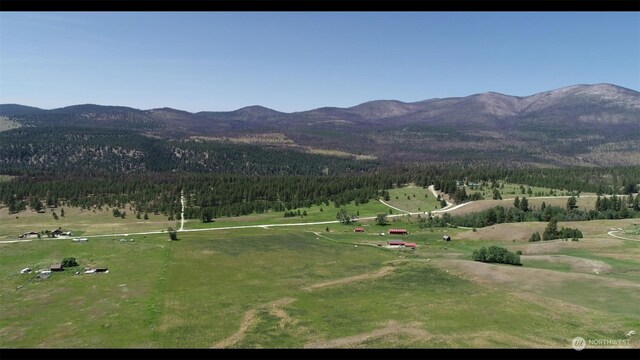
[(48, 150), (299, 182)]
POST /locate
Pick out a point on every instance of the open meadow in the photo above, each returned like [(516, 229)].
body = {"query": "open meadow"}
[(303, 287)]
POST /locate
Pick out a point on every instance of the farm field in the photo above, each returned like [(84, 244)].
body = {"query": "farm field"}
[(314, 214), (413, 198), (80, 222), (306, 287)]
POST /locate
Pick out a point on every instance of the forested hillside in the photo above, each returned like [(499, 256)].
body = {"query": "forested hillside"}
[(587, 125), (53, 150)]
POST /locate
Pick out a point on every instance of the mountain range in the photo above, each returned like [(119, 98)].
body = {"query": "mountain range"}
[(575, 125)]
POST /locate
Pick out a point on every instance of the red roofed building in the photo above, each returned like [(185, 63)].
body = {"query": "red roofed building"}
[(410, 245), (398, 231), (395, 242), (358, 229)]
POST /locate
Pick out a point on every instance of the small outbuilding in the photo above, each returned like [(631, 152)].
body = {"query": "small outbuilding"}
[(410, 245), (358, 229), (398, 232), (25, 271), (29, 235), (395, 243), (446, 238), (56, 267)]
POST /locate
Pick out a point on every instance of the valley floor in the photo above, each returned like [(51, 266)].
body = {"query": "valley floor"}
[(305, 287)]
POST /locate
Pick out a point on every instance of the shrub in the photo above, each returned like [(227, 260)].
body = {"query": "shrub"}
[(69, 262)]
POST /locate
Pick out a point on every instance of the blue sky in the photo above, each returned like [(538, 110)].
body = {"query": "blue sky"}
[(295, 61)]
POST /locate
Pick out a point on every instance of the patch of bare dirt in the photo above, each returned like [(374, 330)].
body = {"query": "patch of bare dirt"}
[(378, 274), (413, 330), (250, 317), (577, 264), (247, 321), (493, 339), (275, 310)]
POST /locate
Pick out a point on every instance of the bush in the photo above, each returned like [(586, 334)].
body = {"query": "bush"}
[(69, 262), (535, 237), (173, 235)]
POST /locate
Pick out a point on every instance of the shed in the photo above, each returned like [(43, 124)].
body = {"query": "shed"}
[(28, 235), (56, 267), (398, 231), (358, 229), (410, 245), (446, 238), (395, 243), (104, 270), (80, 240)]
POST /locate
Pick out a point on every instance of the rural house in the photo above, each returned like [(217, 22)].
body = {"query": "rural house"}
[(29, 235)]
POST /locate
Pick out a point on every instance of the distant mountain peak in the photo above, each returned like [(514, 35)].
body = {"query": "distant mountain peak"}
[(257, 109)]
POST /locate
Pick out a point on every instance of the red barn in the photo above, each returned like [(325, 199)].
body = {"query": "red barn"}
[(398, 231), (410, 245), (358, 229), (395, 243)]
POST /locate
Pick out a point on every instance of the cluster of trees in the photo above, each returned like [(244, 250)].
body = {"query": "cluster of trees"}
[(551, 232), (292, 213), (495, 254), (345, 217), (460, 195), (499, 215), (381, 219), (622, 205), (521, 204), (611, 180), (117, 213)]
